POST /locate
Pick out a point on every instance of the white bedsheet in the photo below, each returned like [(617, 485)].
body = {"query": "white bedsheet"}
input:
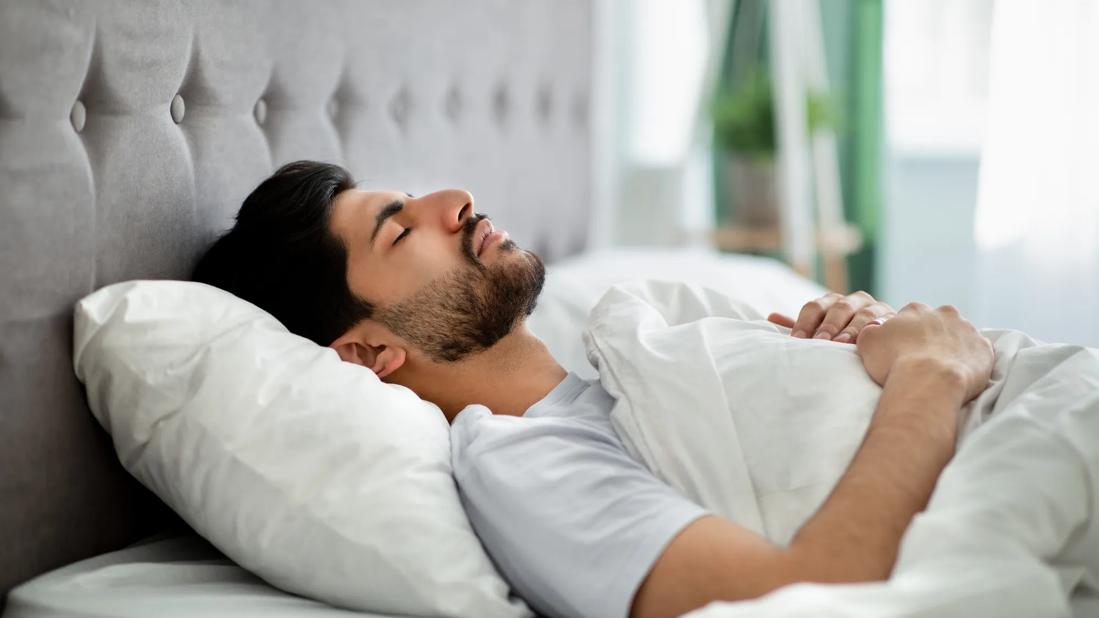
[(758, 426), (165, 577)]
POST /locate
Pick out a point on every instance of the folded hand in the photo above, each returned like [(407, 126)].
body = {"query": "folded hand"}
[(933, 341), (836, 317)]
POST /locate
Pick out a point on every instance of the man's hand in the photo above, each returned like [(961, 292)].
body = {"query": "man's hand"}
[(836, 317), (929, 340)]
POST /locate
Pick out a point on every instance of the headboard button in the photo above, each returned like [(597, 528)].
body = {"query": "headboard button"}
[(177, 109), (545, 103), (501, 104), (453, 104), (260, 111), (399, 107), (77, 116)]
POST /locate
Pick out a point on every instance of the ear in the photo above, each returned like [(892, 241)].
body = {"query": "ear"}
[(387, 359), (358, 347)]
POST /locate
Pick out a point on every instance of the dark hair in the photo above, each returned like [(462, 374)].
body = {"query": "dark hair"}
[(281, 255)]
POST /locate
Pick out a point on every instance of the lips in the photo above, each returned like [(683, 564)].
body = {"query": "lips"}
[(481, 233)]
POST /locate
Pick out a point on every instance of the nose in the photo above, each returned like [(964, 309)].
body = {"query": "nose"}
[(451, 207)]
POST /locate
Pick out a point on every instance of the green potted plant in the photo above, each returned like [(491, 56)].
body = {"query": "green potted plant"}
[(744, 132)]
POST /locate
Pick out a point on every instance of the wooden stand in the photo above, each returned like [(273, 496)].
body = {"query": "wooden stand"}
[(834, 243)]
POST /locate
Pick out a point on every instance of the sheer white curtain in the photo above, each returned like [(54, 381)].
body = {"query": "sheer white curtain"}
[(661, 61), (1037, 223)]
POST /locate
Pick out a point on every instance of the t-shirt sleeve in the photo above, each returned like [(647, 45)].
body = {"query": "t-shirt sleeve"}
[(568, 517)]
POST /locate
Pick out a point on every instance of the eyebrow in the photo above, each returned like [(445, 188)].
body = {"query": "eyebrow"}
[(386, 212)]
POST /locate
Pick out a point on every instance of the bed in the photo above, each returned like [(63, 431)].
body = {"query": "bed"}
[(165, 575), (130, 132)]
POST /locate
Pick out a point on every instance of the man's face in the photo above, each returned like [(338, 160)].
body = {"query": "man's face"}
[(439, 275)]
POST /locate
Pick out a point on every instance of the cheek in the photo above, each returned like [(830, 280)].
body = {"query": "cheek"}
[(412, 267), (381, 281)]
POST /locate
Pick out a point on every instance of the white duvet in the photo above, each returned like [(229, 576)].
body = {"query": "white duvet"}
[(758, 427)]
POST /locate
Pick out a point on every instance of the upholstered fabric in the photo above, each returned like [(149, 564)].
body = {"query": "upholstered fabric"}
[(130, 132)]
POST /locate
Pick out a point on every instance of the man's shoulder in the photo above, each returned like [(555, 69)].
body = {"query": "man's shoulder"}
[(482, 435)]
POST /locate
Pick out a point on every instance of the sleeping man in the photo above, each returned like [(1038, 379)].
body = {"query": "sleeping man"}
[(426, 293)]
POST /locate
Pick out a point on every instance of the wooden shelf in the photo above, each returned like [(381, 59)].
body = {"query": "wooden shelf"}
[(834, 243), (843, 240)]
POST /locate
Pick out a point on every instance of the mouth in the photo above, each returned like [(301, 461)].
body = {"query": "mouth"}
[(485, 234)]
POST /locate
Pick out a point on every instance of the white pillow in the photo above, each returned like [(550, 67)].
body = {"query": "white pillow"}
[(306, 470)]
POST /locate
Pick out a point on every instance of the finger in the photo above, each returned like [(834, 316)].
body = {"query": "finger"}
[(949, 310), (812, 314), (781, 320), (869, 331), (914, 307), (863, 317), (841, 313)]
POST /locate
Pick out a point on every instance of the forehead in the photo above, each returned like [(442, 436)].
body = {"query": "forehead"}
[(354, 210)]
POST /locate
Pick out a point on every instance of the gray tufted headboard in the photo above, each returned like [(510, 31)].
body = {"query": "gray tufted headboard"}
[(130, 132)]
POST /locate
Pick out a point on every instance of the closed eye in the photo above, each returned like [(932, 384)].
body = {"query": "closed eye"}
[(402, 235)]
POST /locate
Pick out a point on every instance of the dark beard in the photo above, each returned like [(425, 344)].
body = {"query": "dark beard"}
[(469, 309)]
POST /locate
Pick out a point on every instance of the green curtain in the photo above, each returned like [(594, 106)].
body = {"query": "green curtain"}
[(853, 45)]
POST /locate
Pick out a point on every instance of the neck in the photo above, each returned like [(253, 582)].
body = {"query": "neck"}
[(507, 378)]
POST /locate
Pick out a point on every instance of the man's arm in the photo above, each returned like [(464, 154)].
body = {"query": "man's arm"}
[(930, 363)]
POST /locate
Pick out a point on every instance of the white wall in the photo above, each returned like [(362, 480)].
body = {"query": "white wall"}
[(926, 252), (654, 62)]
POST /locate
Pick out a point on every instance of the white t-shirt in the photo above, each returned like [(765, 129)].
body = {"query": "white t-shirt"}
[(570, 519)]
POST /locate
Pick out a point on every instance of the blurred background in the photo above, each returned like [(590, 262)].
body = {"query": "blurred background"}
[(940, 150)]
